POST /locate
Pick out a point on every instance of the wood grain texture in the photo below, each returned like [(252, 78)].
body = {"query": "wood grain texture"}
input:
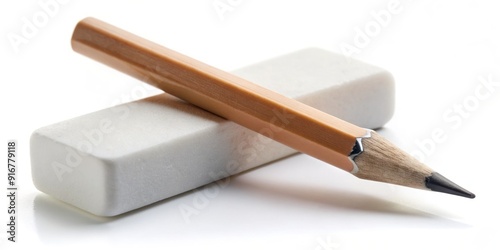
[(288, 121)]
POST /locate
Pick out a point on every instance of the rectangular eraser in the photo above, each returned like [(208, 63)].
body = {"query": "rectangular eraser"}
[(125, 157)]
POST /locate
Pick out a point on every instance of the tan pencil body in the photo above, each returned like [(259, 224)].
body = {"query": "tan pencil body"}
[(283, 119)]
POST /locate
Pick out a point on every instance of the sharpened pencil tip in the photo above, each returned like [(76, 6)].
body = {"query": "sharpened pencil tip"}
[(437, 182)]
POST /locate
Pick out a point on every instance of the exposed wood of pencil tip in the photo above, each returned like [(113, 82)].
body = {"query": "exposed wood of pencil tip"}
[(382, 161), (308, 130)]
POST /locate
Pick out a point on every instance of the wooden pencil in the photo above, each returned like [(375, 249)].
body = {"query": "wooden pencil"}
[(362, 152)]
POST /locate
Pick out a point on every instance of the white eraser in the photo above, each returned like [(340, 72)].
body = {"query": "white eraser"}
[(125, 157)]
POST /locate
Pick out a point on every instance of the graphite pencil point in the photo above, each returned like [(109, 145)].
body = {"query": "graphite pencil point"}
[(437, 182)]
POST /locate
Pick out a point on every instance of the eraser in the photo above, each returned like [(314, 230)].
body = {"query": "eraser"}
[(128, 156)]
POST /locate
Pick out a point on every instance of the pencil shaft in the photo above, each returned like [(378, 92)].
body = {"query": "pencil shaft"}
[(283, 119)]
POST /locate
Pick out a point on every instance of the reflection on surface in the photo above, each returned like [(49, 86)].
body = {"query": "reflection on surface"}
[(252, 202), (58, 222)]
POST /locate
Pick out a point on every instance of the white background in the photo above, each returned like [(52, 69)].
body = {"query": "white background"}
[(437, 51)]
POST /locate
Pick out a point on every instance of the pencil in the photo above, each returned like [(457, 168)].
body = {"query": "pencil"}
[(362, 152)]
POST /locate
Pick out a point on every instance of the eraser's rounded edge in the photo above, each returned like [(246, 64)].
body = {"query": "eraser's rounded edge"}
[(33, 163), (87, 187), (391, 109), (380, 102)]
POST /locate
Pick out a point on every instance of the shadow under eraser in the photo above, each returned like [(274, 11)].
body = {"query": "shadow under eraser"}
[(125, 157)]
